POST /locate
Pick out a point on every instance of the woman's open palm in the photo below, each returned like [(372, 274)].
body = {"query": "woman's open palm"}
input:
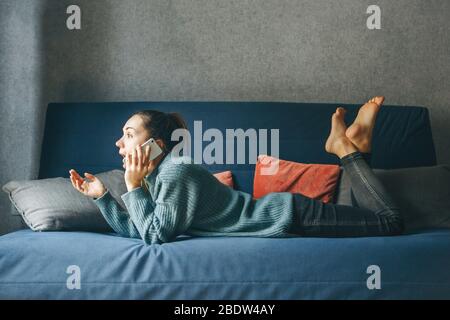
[(93, 188)]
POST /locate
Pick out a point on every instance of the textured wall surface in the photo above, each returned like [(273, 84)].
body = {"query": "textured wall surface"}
[(20, 98), (299, 51)]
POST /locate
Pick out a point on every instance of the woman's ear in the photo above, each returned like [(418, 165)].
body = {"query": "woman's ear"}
[(160, 144)]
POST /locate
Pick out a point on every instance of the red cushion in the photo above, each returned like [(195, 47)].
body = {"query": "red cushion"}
[(225, 177), (317, 181)]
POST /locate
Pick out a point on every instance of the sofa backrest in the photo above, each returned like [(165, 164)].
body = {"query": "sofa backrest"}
[(83, 135)]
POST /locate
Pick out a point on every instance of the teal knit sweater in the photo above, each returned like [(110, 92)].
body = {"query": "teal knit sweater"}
[(185, 198)]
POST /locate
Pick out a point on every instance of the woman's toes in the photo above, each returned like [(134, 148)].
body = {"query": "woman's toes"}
[(378, 100), (340, 110)]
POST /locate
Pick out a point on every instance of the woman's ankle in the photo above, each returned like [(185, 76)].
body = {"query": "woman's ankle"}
[(353, 155), (346, 148)]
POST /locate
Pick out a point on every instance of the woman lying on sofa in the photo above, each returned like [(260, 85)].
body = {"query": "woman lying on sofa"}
[(166, 198)]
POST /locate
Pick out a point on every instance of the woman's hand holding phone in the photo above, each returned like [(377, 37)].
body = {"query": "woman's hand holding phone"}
[(137, 166), (93, 188)]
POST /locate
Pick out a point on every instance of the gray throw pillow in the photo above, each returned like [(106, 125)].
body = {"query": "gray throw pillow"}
[(422, 193), (55, 205)]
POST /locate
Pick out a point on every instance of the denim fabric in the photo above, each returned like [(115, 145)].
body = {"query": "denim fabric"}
[(375, 212)]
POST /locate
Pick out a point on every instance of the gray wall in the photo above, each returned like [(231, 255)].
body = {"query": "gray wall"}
[(303, 51)]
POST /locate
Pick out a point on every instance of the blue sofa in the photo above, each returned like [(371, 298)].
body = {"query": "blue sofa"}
[(33, 265)]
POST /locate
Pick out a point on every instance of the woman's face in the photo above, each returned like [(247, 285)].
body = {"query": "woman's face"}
[(134, 134)]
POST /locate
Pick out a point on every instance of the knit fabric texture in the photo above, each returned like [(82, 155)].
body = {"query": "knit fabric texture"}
[(181, 197)]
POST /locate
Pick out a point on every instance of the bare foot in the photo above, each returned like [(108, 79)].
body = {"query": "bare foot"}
[(337, 142), (360, 132)]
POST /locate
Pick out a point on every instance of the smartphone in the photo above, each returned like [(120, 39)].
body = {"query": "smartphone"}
[(155, 149)]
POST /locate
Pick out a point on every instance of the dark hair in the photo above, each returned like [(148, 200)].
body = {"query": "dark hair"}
[(160, 125)]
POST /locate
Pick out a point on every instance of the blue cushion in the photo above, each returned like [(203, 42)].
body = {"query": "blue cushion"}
[(34, 265)]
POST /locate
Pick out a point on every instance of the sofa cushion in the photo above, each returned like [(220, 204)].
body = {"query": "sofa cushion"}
[(318, 181), (243, 268), (53, 204)]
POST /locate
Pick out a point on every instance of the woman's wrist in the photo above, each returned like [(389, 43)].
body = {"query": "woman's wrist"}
[(101, 195), (132, 186)]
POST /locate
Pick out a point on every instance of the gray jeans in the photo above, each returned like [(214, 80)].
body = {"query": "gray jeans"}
[(374, 212)]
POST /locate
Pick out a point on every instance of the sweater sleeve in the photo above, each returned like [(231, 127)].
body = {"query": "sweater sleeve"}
[(167, 219), (118, 219)]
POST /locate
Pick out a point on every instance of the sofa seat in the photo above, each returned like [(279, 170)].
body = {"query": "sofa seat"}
[(35, 266)]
